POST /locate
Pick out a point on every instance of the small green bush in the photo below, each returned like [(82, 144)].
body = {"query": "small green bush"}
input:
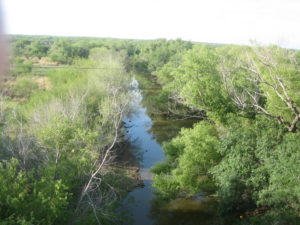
[(24, 87)]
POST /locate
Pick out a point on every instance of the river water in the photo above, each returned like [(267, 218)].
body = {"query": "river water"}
[(145, 135)]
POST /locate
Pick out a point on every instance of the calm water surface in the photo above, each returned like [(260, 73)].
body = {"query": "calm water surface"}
[(146, 136)]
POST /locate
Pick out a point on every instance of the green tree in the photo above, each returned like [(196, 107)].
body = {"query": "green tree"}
[(191, 155)]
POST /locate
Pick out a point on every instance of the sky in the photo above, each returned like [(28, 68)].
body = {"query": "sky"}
[(213, 21)]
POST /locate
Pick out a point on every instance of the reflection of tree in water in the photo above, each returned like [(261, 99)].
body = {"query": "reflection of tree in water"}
[(165, 129), (184, 212), (179, 211)]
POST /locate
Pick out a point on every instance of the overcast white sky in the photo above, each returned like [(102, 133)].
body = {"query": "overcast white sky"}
[(217, 21)]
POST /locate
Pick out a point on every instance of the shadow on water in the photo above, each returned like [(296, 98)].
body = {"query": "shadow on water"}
[(185, 212), (145, 137)]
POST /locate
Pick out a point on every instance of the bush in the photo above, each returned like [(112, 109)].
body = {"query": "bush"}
[(24, 87), (28, 198)]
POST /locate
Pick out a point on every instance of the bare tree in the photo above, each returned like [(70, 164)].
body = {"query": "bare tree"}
[(22, 145), (264, 78), (91, 194)]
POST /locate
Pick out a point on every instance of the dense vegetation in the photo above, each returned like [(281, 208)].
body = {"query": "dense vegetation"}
[(247, 148), (59, 127), (59, 131)]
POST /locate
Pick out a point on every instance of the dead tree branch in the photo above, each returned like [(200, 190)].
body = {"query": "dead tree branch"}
[(94, 182)]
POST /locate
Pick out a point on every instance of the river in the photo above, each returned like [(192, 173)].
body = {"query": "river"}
[(145, 135)]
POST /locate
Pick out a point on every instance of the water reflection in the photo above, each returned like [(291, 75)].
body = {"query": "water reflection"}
[(146, 136), (185, 212), (165, 129)]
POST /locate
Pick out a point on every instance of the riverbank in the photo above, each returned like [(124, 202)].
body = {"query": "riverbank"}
[(145, 135), (126, 164)]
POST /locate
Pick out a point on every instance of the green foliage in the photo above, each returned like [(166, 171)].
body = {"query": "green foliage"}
[(152, 55), (61, 52), (236, 168), (167, 187), (22, 67), (23, 87), (70, 148), (247, 150), (38, 48), (255, 166), (283, 191), (194, 82), (258, 170), (58, 136), (162, 167), (192, 154), (199, 155), (266, 74), (27, 199)]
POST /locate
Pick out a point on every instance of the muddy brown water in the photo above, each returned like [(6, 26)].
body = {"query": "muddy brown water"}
[(146, 135)]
